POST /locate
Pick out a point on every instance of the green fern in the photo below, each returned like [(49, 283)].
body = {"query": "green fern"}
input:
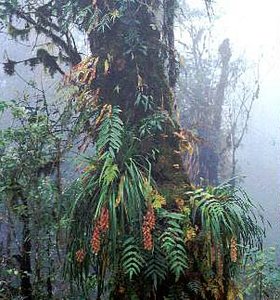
[(156, 268), (109, 171), (174, 247), (225, 212), (194, 287), (131, 259), (109, 140), (152, 124)]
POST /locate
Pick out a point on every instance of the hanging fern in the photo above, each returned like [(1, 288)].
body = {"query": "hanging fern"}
[(174, 247), (225, 212), (156, 267), (109, 140), (131, 259), (227, 224)]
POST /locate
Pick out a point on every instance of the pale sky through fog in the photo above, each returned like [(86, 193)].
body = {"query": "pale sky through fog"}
[(253, 27)]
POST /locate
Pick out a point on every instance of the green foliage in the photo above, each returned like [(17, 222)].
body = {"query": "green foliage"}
[(122, 110), (30, 196), (145, 101), (109, 138), (117, 180), (26, 149), (156, 267), (174, 246), (225, 212), (260, 278), (152, 124), (131, 259), (194, 287)]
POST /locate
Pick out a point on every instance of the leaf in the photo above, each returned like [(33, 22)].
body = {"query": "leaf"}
[(106, 66), (172, 242), (131, 258)]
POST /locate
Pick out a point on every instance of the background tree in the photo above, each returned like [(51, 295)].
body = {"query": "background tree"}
[(241, 94), (31, 198), (203, 96), (216, 95)]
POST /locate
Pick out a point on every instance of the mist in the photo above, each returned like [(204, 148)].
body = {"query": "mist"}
[(140, 150)]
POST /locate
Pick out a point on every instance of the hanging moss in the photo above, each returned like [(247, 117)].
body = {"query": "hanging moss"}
[(9, 67), (21, 33), (48, 61)]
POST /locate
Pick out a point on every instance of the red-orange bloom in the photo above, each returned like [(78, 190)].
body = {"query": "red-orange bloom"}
[(80, 255), (148, 225), (95, 240), (103, 222)]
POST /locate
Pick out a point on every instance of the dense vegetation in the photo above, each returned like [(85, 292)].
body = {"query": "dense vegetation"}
[(126, 222)]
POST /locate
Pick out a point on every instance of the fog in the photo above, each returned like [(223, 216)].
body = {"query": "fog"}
[(259, 156), (253, 29), (246, 32), (253, 26)]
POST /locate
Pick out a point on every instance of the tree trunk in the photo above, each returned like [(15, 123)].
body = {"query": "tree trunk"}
[(210, 150), (149, 67), (25, 260)]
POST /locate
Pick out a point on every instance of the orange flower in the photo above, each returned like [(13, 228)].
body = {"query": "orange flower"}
[(148, 225), (103, 222), (233, 249), (80, 255), (95, 240), (147, 239), (101, 226)]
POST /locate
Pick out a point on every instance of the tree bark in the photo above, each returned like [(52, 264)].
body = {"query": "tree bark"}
[(25, 260)]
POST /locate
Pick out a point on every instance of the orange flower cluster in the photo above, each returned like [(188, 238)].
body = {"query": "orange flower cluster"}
[(102, 225), (80, 255), (148, 225), (103, 221), (220, 262), (95, 240), (233, 249), (190, 234)]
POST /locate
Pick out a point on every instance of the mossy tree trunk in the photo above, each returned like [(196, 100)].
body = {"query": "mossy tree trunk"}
[(143, 61)]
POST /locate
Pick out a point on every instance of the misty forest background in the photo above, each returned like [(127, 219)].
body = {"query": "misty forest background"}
[(138, 157)]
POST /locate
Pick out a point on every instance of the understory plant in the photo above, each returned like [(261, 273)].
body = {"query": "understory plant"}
[(260, 278), (30, 199)]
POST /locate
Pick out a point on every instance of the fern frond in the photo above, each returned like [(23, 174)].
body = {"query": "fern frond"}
[(194, 287), (109, 171), (224, 213), (110, 133), (131, 259), (172, 242), (156, 268)]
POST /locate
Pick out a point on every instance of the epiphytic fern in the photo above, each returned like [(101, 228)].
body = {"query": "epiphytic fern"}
[(226, 213), (131, 259), (174, 247), (109, 139), (156, 268)]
